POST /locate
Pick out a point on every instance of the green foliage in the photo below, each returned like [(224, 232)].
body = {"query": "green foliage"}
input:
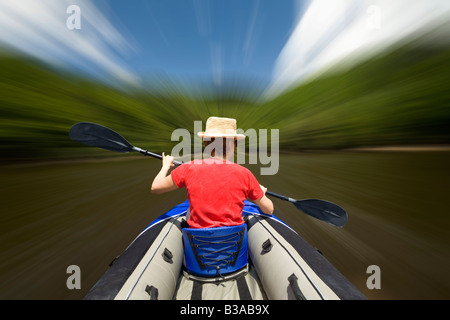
[(399, 97)]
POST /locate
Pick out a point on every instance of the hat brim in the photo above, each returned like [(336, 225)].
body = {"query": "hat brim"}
[(236, 136)]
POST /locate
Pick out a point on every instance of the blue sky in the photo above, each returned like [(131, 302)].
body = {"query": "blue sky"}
[(210, 39), (275, 44), (187, 40)]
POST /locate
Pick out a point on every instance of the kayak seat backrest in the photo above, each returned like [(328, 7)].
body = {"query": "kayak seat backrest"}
[(213, 252)]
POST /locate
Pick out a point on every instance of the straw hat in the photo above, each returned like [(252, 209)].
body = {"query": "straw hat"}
[(221, 127)]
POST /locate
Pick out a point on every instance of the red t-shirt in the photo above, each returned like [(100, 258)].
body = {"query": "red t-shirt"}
[(216, 191)]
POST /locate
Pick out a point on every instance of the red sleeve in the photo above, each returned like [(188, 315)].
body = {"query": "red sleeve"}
[(179, 176), (254, 190)]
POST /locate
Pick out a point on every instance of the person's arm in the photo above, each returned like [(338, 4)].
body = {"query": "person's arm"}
[(264, 203), (163, 182)]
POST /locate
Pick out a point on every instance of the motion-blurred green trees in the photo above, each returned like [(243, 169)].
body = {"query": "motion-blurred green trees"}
[(399, 97)]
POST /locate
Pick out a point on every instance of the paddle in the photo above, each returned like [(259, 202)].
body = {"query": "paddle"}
[(320, 209), (99, 136)]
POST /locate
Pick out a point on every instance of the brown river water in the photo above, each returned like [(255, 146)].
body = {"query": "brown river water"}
[(86, 213)]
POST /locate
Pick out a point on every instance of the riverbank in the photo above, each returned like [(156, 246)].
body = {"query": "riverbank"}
[(403, 148), (113, 157)]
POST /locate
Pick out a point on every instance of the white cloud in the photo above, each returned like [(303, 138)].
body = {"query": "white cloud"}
[(216, 63), (332, 30), (39, 28)]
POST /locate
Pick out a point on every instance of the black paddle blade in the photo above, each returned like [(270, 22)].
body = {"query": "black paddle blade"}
[(323, 210), (98, 136)]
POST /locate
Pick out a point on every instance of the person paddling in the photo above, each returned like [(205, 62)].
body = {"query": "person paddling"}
[(216, 186)]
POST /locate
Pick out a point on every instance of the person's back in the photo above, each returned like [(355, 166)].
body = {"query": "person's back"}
[(216, 187), (216, 191)]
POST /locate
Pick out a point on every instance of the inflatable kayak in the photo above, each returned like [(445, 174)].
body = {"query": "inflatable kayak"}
[(269, 260)]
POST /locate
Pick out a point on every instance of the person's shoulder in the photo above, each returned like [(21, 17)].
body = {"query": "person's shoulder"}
[(240, 168), (182, 167), (191, 162)]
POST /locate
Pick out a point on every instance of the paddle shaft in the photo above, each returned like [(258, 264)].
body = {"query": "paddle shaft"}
[(302, 205), (177, 163), (280, 196), (154, 155)]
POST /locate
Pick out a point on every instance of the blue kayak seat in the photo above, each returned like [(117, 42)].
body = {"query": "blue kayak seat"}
[(212, 252)]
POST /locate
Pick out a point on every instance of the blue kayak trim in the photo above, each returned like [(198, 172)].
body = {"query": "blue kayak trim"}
[(112, 281), (249, 209)]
